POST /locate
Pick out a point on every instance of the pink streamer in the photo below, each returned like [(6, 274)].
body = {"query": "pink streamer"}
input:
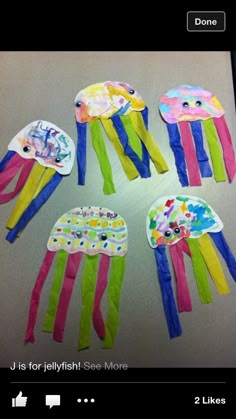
[(183, 294), (190, 154), (227, 145), (183, 245), (10, 172), (72, 267), (36, 293), (98, 321)]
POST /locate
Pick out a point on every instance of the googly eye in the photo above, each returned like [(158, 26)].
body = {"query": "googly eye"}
[(131, 91), (168, 234), (185, 105), (26, 148), (198, 103), (78, 234), (103, 236), (57, 159), (177, 230), (78, 104)]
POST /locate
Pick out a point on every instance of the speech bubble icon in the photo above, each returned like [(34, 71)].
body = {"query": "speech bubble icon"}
[(53, 400)]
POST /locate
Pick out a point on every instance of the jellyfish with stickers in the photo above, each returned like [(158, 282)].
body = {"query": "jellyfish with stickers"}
[(187, 225), (99, 236)]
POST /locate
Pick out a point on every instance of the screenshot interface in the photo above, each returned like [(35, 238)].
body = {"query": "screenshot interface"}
[(117, 238)]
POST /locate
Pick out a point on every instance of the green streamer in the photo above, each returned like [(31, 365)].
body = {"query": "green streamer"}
[(134, 140), (59, 272), (113, 297), (100, 149), (215, 150), (200, 272), (88, 288)]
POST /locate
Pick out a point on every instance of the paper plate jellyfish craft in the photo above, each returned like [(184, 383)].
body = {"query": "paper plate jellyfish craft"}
[(186, 109), (186, 224), (41, 153), (101, 235), (122, 112)]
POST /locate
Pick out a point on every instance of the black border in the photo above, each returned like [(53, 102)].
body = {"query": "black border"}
[(233, 62), (151, 389), (145, 29)]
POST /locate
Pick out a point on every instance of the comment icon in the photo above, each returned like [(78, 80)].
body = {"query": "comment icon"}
[(53, 400)]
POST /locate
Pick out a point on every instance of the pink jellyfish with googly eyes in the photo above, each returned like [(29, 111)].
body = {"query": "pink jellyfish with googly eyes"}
[(188, 111)]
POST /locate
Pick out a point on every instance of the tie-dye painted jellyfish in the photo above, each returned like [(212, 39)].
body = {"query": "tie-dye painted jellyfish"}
[(124, 117), (41, 153), (101, 235), (187, 224), (187, 109)]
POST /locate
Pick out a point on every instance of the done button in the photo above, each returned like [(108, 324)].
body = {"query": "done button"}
[(206, 21)]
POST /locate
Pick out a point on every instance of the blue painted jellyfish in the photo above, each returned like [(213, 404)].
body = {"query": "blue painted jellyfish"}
[(41, 153)]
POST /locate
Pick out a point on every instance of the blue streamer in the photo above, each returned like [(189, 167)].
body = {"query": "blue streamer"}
[(225, 250), (202, 158), (146, 157), (122, 110), (145, 153), (164, 275), (34, 206), (144, 113), (175, 143), (6, 159), (81, 151), (143, 170)]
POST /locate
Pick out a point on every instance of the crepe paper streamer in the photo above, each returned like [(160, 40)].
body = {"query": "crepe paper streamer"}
[(55, 290), (121, 112), (101, 235), (187, 224), (114, 295), (100, 289), (188, 111), (183, 295), (41, 153), (200, 272), (169, 305)]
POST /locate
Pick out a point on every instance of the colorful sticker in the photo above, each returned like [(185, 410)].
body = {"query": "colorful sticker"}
[(90, 230), (173, 218)]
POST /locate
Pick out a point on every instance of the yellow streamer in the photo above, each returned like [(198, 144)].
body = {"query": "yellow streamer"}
[(128, 166), (38, 178), (147, 139), (47, 176), (213, 264)]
